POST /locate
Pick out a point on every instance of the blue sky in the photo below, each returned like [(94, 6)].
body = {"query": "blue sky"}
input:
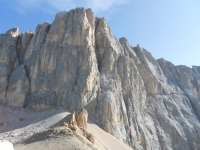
[(168, 29)]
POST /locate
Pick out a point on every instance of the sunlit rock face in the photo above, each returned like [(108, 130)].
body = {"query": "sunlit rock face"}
[(77, 62)]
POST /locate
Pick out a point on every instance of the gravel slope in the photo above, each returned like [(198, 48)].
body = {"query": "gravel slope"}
[(28, 129)]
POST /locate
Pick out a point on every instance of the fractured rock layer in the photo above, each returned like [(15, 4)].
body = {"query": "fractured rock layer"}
[(76, 62)]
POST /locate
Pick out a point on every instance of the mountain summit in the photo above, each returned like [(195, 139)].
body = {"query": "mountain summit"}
[(77, 62)]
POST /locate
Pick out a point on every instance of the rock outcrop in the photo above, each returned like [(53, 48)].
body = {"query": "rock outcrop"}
[(81, 118), (76, 62), (77, 122)]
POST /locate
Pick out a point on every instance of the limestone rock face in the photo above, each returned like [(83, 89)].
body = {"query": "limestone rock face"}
[(18, 87), (77, 62), (81, 118), (61, 62), (77, 119), (8, 59)]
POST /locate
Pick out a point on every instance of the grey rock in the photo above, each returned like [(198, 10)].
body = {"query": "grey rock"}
[(18, 88), (77, 62), (81, 118), (8, 57)]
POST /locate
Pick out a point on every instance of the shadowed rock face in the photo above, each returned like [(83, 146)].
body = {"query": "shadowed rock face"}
[(77, 62)]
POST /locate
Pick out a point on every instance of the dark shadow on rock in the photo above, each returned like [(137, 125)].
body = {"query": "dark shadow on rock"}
[(49, 134)]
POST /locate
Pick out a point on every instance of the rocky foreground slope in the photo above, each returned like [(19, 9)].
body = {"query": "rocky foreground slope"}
[(53, 129), (77, 62)]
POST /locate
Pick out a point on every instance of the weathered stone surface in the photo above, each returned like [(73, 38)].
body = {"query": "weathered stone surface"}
[(78, 123), (72, 122), (76, 120), (76, 62), (81, 118), (61, 62), (8, 57), (18, 87)]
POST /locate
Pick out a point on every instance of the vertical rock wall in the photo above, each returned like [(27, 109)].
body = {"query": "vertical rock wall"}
[(77, 62)]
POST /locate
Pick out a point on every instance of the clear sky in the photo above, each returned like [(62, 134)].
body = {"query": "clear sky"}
[(168, 29)]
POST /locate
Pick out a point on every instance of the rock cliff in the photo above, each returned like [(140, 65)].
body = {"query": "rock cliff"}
[(77, 62)]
